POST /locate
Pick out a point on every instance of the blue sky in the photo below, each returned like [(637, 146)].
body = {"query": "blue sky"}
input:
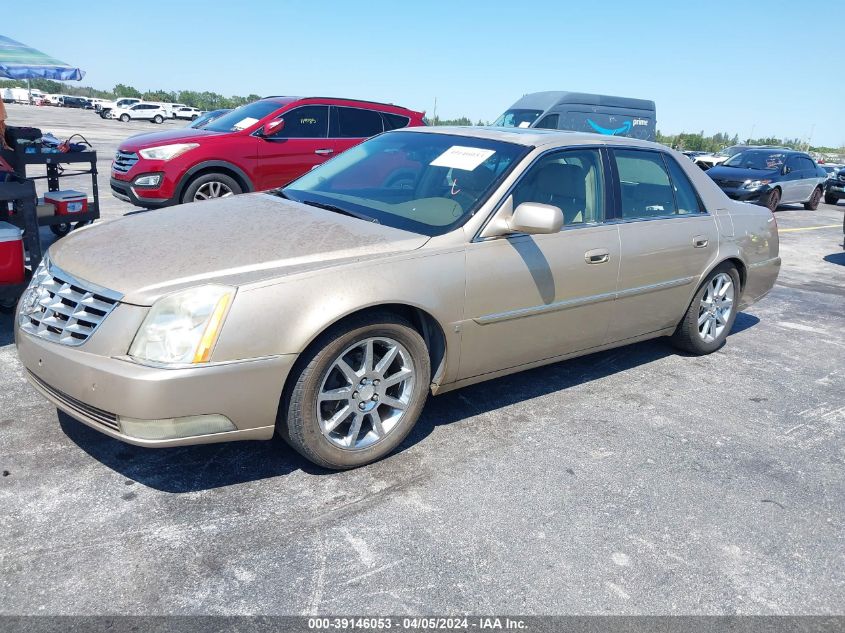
[(713, 66)]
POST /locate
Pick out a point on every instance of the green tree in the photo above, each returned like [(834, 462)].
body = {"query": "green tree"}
[(121, 90)]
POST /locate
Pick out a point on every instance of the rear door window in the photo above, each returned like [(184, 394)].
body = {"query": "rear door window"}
[(645, 188), (355, 123), (686, 199)]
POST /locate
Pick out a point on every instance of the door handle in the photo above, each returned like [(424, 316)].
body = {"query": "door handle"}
[(597, 256), (324, 152), (699, 241)]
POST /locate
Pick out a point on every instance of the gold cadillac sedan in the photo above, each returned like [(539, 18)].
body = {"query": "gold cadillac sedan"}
[(418, 262)]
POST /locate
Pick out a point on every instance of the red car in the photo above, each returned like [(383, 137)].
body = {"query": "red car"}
[(261, 145)]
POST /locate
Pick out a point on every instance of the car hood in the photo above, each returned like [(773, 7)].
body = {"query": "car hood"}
[(152, 139), (736, 173), (237, 240)]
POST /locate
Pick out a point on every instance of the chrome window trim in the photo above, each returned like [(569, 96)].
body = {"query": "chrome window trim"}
[(674, 216), (581, 301)]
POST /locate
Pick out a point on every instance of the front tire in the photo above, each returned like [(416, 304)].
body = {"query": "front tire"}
[(712, 313), (772, 200), (829, 199), (813, 203), (359, 391), (124, 118), (209, 186)]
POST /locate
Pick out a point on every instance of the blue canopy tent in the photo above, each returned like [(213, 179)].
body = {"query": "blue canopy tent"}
[(18, 61)]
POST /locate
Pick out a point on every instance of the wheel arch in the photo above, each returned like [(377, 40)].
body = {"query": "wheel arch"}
[(214, 166), (423, 322)]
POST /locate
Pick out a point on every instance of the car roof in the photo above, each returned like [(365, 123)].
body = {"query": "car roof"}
[(532, 137), (284, 100)]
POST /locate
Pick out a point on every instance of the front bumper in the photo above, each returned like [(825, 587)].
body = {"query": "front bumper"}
[(746, 195), (126, 191), (99, 390), (835, 188)]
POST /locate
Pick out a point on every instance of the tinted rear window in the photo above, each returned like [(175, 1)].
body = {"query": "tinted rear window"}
[(394, 121), (355, 123)]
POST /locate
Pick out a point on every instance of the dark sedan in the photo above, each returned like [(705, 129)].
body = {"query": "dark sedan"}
[(834, 187), (770, 177)]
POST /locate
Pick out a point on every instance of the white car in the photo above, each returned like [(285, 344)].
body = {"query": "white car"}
[(186, 112), (107, 108), (140, 112)]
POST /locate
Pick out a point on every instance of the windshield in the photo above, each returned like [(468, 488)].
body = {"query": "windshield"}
[(517, 118), (203, 119), (733, 150), (757, 159), (243, 117), (425, 183)]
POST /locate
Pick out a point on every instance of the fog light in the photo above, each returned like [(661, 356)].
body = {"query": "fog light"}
[(175, 428), (148, 181)]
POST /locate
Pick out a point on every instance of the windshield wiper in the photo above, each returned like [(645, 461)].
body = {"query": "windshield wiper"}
[(341, 210)]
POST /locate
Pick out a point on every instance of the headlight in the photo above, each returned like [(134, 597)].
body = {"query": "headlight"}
[(166, 152), (182, 328), (755, 184)]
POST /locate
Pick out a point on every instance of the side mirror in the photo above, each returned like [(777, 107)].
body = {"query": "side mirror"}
[(272, 127), (535, 217), (785, 170)]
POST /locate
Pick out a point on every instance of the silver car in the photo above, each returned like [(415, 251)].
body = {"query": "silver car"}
[(418, 262)]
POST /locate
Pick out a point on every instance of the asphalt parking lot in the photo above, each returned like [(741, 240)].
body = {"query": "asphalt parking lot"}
[(633, 481)]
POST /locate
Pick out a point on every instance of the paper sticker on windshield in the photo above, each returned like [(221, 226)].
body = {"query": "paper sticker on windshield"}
[(466, 158), (244, 123), (524, 124)]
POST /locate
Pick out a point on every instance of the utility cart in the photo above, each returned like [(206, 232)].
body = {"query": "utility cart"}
[(60, 225)]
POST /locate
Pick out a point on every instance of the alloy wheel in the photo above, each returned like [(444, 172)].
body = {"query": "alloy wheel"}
[(715, 307), (365, 393), (213, 189)]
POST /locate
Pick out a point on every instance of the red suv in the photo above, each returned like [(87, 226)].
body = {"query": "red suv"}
[(261, 145)]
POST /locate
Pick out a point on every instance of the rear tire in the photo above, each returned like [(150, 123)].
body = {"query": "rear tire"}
[(318, 427), (158, 119), (813, 203), (707, 322), (772, 200)]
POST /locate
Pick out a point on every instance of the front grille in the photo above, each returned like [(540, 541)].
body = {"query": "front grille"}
[(124, 161), (83, 410), (730, 184), (62, 309)]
